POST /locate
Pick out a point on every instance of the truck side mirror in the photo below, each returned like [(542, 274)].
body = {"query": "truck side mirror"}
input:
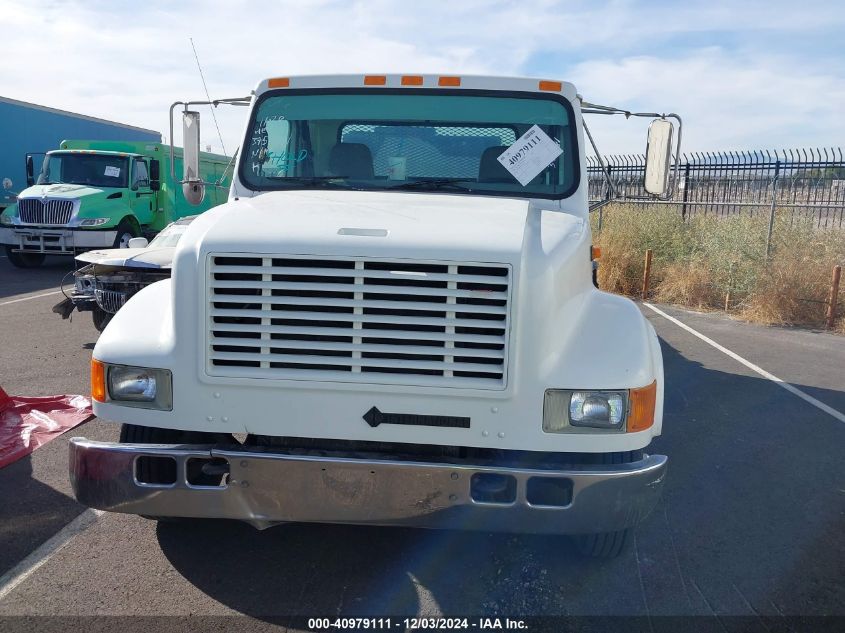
[(192, 185), (30, 177), (137, 242), (155, 174), (658, 157)]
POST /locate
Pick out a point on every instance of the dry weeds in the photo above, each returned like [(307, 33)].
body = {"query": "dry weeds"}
[(701, 262)]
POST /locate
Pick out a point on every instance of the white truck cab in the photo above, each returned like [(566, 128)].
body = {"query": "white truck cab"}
[(392, 322)]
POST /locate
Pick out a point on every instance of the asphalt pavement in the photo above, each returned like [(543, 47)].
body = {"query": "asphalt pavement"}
[(751, 522)]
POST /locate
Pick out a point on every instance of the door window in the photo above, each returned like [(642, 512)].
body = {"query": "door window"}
[(141, 177)]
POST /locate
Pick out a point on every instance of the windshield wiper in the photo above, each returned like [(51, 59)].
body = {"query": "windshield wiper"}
[(440, 183), (315, 180), (305, 179)]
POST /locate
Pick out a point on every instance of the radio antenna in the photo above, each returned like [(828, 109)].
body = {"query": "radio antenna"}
[(213, 114)]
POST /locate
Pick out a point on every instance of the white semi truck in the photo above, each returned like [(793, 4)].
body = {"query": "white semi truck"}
[(391, 322)]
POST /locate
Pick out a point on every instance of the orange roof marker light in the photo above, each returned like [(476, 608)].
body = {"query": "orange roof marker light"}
[(279, 82), (412, 80), (375, 80), (449, 81), (553, 86)]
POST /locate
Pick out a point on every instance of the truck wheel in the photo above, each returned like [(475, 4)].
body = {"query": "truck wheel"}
[(24, 260), (608, 544), (603, 545), (101, 318), (125, 231)]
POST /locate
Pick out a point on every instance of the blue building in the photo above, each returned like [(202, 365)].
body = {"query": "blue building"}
[(34, 129)]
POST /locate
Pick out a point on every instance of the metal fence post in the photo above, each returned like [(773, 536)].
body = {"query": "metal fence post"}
[(686, 191), (646, 274), (772, 209)]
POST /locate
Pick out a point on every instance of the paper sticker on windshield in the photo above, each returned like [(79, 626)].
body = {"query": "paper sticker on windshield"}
[(114, 172), (530, 154)]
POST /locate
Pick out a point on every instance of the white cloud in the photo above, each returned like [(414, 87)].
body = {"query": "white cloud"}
[(129, 61), (727, 100)]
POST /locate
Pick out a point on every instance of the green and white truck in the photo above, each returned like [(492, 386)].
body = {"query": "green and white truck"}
[(95, 194)]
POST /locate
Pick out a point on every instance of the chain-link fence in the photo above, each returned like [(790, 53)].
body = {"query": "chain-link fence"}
[(799, 182)]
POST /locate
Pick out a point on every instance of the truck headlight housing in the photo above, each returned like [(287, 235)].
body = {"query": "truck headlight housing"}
[(142, 387), (93, 221), (581, 410), (564, 409)]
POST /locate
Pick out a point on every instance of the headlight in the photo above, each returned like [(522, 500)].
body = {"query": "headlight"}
[(130, 383), (582, 411), (597, 408), (93, 221), (594, 409), (5, 219), (137, 386)]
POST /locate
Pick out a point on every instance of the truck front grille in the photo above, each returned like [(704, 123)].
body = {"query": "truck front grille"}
[(359, 320), (110, 300), (36, 211)]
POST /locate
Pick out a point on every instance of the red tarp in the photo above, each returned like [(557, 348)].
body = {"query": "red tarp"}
[(27, 423)]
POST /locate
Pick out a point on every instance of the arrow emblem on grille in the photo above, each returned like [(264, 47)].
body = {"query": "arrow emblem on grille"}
[(374, 417)]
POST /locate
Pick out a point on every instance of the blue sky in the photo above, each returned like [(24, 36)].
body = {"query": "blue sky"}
[(743, 75)]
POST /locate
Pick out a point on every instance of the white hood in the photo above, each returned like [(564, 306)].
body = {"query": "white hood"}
[(60, 191), (130, 257), (373, 224)]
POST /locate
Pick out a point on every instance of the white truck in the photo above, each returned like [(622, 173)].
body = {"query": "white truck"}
[(391, 322)]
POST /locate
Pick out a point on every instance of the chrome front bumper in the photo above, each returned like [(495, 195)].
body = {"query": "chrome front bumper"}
[(55, 241), (265, 488)]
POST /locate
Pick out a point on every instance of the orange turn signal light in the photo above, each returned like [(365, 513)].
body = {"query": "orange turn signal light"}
[(449, 81), (375, 80), (554, 86), (641, 413), (98, 380), (279, 82), (595, 252), (412, 80)]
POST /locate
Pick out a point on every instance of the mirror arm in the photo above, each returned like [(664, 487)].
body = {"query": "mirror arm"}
[(593, 108), (219, 182), (239, 101), (611, 190)]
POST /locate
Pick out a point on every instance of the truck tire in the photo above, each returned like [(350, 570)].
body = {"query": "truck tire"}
[(126, 230), (604, 544), (608, 544), (24, 260), (101, 318)]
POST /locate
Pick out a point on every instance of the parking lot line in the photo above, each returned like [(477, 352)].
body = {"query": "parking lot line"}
[(778, 381), (45, 551), (46, 294)]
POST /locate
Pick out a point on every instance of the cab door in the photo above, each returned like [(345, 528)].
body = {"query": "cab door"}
[(142, 199)]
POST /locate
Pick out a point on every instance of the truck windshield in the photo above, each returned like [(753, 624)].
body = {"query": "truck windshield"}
[(169, 236), (96, 170), (412, 140)]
